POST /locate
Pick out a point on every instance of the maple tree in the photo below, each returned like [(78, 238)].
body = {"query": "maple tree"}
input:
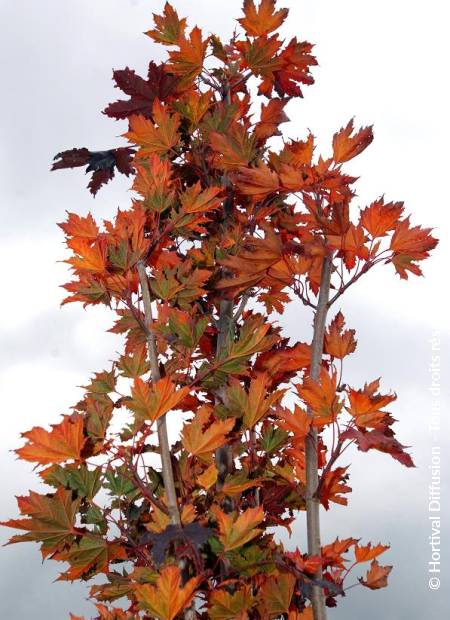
[(223, 231)]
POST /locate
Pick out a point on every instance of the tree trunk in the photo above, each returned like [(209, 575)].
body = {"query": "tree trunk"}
[(312, 474), (163, 439)]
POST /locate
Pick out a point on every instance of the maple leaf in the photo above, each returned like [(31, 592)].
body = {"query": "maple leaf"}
[(159, 136), (200, 442), (89, 257), (226, 606), (209, 477), (409, 245), (260, 56), (333, 485), (236, 484), (194, 200), (262, 20), (64, 442), (237, 530), (295, 62), (51, 522), (169, 27), (88, 289), (376, 577), (234, 148), (339, 342), (366, 405), (297, 422), (285, 361), (114, 614), (277, 592), (187, 61), (160, 84), (101, 163), (134, 365), (381, 440), (272, 115), (332, 553), (379, 218), (367, 553), (320, 396), (305, 563), (90, 556), (295, 153), (253, 339), (81, 227), (258, 405), (258, 181), (151, 401), (346, 146), (351, 245), (168, 597)]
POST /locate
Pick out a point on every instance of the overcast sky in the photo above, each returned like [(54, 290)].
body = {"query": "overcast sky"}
[(383, 62)]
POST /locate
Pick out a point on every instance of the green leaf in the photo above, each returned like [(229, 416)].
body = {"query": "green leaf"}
[(273, 438)]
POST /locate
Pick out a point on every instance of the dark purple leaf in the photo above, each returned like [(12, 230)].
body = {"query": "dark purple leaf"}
[(142, 93)]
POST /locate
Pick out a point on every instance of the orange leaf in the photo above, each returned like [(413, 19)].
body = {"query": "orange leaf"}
[(277, 593), (77, 226), (366, 405), (332, 553), (150, 402), (367, 553), (346, 146), (91, 257), (200, 442), (376, 577), (320, 397), (234, 148), (193, 200), (188, 61), (64, 442), (380, 218), (298, 422), (410, 244), (262, 20), (168, 598), (51, 522), (258, 405), (257, 182), (306, 614), (272, 115), (169, 27), (208, 477), (226, 606), (158, 137), (351, 245), (339, 343), (236, 531), (333, 486)]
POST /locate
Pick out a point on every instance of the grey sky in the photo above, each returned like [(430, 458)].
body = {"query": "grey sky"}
[(384, 62)]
